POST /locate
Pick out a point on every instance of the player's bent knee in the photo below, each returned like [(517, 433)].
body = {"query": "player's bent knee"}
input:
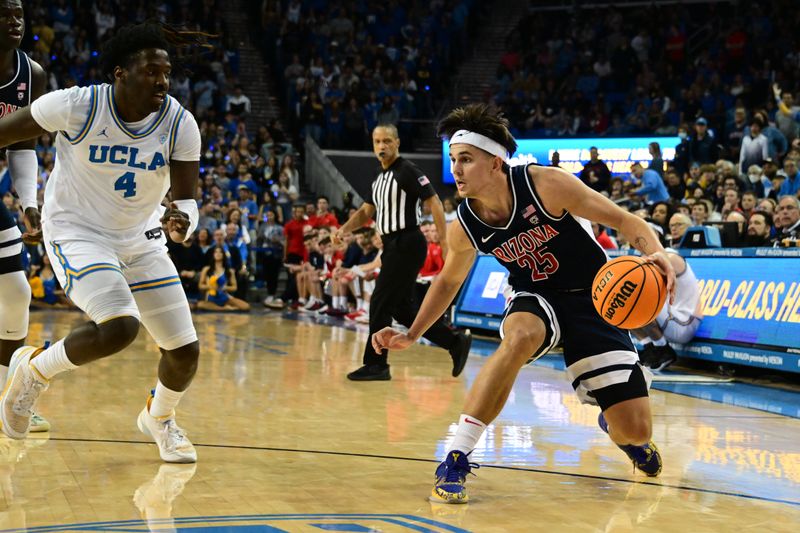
[(524, 341), (116, 334)]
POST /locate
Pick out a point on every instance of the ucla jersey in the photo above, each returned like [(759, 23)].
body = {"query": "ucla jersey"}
[(109, 175), (538, 249)]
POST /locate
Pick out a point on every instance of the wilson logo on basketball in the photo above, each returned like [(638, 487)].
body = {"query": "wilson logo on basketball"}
[(618, 302)]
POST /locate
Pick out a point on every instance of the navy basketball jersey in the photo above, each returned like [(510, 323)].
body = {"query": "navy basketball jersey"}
[(538, 249), (15, 93)]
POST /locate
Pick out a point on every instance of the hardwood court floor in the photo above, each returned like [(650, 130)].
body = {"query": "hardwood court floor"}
[(286, 443)]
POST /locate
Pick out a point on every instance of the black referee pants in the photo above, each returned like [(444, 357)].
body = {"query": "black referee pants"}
[(403, 256)]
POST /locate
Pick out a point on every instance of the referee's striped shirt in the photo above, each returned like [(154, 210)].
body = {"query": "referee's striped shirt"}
[(397, 194)]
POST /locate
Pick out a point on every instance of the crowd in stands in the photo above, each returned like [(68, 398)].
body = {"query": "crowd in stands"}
[(761, 206), (737, 160), (615, 71), (343, 67)]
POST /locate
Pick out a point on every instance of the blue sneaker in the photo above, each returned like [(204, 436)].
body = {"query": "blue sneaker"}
[(451, 476), (646, 458)]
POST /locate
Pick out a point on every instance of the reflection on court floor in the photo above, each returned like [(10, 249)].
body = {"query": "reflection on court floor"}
[(286, 443)]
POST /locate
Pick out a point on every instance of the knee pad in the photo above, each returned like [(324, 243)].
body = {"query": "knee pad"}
[(15, 299)]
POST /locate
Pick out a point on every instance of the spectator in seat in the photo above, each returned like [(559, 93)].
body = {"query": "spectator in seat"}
[(595, 172), (790, 185), (678, 224), (602, 237), (703, 147), (239, 103), (788, 220), (652, 188), (700, 213), (324, 217), (218, 280), (755, 147), (759, 230), (189, 261), (295, 251), (270, 240)]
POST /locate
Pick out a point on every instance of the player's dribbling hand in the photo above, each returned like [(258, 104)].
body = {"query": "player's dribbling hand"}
[(661, 261), (390, 339), (33, 224), (175, 222)]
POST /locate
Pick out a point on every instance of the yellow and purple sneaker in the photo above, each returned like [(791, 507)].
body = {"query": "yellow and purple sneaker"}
[(646, 457), (451, 477)]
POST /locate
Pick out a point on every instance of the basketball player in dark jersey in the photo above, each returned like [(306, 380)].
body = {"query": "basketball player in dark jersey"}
[(535, 221), (21, 82)]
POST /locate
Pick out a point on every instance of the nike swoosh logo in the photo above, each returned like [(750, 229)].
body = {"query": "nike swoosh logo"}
[(484, 239), (468, 421)]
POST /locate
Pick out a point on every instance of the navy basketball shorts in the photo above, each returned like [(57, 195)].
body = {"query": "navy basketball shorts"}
[(601, 361)]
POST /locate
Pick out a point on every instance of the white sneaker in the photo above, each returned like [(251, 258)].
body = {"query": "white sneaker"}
[(21, 393), (276, 303), (173, 445), (39, 424)]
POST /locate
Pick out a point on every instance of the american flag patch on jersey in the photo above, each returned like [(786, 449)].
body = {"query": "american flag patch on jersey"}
[(22, 86), (423, 180)]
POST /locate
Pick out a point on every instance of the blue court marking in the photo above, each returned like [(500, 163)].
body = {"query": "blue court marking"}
[(253, 524)]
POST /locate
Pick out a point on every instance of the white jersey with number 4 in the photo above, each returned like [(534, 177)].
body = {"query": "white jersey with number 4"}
[(109, 175)]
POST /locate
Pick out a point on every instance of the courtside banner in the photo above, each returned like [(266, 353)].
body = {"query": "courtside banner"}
[(618, 153), (751, 307)]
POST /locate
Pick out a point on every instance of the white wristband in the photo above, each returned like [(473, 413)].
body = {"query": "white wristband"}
[(24, 168), (190, 208)]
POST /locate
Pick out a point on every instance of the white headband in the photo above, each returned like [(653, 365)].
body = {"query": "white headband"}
[(480, 141)]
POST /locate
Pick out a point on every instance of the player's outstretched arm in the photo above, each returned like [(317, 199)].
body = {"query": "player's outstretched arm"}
[(24, 167), (18, 126), (561, 191), (440, 294)]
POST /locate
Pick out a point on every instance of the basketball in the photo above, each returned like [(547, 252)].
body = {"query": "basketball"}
[(628, 292)]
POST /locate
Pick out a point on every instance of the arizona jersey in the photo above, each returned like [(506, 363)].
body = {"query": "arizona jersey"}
[(14, 94), (539, 250), (110, 175)]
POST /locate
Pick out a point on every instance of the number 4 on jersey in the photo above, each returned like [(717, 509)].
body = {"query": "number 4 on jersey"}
[(127, 183)]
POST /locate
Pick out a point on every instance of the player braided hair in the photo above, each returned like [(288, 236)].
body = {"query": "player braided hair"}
[(119, 50), (479, 118)]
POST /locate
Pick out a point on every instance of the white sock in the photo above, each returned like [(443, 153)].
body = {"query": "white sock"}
[(341, 302), (3, 374), (301, 301), (359, 303), (468, 433), (365, 306), (164, 401), (53, 361), (660, 342)]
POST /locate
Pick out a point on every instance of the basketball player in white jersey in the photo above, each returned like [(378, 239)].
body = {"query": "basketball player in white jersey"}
[(676, 322), (121, 147), (21, 82)]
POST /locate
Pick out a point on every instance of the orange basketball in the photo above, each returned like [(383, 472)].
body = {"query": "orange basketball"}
[(629, 292)]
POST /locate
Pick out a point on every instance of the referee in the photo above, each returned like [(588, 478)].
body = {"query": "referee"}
[(397, 192)]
